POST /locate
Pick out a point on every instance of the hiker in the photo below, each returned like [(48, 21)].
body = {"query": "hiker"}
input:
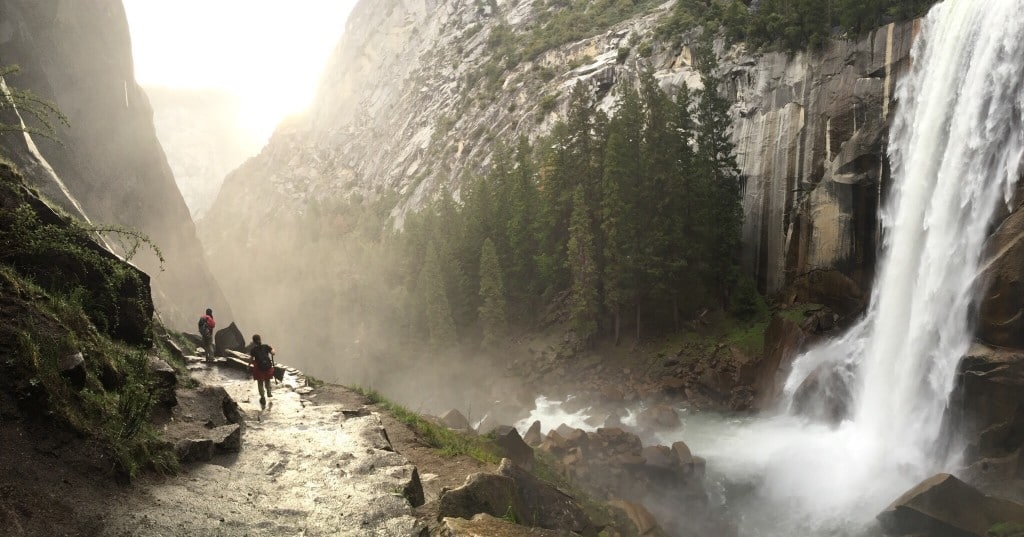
[(261, 358), (206, 325)]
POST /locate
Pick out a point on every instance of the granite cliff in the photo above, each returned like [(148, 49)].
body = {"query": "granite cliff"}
[(108, 166), (417, 92)]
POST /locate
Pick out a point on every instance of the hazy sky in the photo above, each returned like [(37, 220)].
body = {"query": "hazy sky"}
[(268, 52)]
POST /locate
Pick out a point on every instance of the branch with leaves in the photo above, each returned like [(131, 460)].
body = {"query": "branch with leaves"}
[(45, 112)]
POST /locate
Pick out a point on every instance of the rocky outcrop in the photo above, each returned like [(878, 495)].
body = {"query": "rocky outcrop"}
[(513, 447), (944, 506), (986, 411), (41, 243), (612, 463), (1001, 310), (204, 422), (783, 340), (484, 525), (108, 166), (518, 495), (826, 394), (811, 133)]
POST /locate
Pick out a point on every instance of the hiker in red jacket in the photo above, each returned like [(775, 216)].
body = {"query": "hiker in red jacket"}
[(261, 358), (206, 325)]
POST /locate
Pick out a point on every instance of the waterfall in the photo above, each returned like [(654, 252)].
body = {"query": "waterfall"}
[(956, 147), (956, 150)]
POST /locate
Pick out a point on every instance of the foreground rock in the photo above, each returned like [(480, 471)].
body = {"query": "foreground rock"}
[(484, 525), (944, 506), (205, 422), (666, 482), (516, 494)]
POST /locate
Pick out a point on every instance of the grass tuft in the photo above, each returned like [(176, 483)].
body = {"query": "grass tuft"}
[(448, 442)]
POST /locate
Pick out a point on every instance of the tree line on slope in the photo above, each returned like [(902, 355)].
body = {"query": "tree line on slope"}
[(791, 24), (633, 219)]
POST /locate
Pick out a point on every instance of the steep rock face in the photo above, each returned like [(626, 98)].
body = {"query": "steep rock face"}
[(811, 134), (1001, 308), (410, 102), (111, 166), (407, 103), (986, 411)]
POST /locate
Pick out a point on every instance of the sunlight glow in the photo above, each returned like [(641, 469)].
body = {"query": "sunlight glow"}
[(270, 53)]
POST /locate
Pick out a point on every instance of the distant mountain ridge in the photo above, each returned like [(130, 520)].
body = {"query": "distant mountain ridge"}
[(200, 133)]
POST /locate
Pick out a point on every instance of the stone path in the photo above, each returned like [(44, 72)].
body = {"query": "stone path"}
[(303, 470)]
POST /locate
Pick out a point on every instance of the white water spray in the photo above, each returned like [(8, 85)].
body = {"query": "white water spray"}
[(956, 150)]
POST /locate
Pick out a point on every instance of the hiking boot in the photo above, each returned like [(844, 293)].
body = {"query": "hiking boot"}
[(270, 394), (263, 403)]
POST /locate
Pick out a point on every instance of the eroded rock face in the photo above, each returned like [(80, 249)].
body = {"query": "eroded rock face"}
[(1001, 311), (109, 166), (986, 413), (811, 133)]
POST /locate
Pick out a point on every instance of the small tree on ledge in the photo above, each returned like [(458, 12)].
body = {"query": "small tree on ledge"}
[(25, 102)]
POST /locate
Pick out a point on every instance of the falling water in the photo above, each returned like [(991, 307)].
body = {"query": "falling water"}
[(956, 150)]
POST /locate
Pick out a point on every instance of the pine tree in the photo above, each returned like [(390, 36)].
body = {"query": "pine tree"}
[(619, 211), (716, 162), (690, 198), (434, 301), (493, 317), (521, 230), (584, 307)]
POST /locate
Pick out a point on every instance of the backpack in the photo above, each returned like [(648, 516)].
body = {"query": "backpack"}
[(262, 355), (204, 328)]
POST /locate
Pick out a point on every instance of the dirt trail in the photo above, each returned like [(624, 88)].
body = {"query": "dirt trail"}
[(304, 470)]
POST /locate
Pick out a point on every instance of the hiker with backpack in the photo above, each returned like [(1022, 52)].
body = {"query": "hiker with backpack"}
[(206, 325), (261, 358)]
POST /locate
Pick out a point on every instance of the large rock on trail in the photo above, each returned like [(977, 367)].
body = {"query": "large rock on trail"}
[(944, 506), (513, 447), (205, 422), (229, 338)]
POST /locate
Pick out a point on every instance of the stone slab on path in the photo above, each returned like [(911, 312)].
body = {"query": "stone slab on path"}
[(303, 469)]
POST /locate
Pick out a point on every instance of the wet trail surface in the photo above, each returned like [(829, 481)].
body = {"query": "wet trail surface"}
[(303, 470)]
